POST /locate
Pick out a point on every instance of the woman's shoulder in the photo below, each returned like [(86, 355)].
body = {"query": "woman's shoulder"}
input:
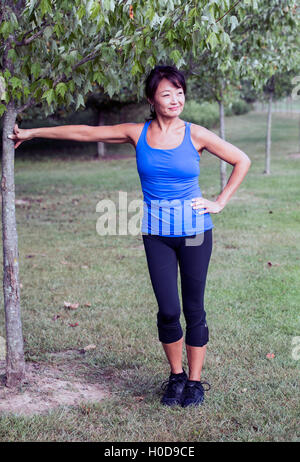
[(134, 131), (197, 128), (199, 134)]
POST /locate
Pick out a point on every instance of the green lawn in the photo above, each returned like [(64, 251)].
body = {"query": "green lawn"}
[(252, 299)]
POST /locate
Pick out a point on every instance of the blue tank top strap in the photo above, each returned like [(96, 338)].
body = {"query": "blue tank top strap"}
[(188, 130), (145, 129), (189, 137)]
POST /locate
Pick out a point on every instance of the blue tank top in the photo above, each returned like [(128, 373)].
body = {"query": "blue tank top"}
[(169, 180)]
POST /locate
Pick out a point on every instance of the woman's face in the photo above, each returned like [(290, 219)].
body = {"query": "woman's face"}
[(168, 99)]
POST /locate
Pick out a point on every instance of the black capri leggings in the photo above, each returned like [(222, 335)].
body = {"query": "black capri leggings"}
[(163, 254)]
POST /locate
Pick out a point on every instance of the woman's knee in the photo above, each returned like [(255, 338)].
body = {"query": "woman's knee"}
[(169, 327), (168, 318), (197, 336)]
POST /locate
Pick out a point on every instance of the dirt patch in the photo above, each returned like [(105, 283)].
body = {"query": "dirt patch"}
[(47, 387)]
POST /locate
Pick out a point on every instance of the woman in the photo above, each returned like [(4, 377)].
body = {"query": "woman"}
[(176, 227)]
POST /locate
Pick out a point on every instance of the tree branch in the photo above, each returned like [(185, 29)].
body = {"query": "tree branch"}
[(88, 58), (30, 103), (233, 6), (26, 41)]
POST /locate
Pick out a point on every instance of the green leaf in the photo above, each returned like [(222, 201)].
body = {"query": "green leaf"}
[(110, 90), (81, 11), (61, 89), (175, 56), (49, 95), (109, 5), (253, 3), (6, 74), (71, 86), (151, 61), (15, 82), (234, 22), (136, 68), (95, 10), (2, 109), (47, 32), (26, 92), (45, 7), (79, 102), (212, 40), (97, 77), (12, 54), (6, 28), (36, 70)]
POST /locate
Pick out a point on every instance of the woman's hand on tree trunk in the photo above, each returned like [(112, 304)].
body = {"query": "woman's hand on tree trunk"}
[(19, 135)]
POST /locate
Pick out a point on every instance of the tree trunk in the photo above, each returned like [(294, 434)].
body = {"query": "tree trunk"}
[(100, 145), (299, 133), (223, 176), (268, 139), (15, 362)]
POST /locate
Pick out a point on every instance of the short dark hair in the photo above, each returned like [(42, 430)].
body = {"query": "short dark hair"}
[(152, 81)]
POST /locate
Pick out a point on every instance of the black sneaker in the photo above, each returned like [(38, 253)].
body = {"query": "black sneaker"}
[(174, 387), (193, 393)]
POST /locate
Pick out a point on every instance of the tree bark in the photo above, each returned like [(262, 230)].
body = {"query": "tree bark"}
[(100, 145), (223, 176), (299, 133), (15, 362), (268, 138)]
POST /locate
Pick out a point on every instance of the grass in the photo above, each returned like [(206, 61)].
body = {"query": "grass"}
[(252, 299)]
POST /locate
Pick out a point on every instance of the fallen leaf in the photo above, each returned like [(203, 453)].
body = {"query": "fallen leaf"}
[(89, 347), (21, 202), (74, 325), (63, 262), (71, 306), (87, 304), (55, 317)]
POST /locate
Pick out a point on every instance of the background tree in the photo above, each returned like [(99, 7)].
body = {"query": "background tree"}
[(268, 49), (277, 87), (261, 50)]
